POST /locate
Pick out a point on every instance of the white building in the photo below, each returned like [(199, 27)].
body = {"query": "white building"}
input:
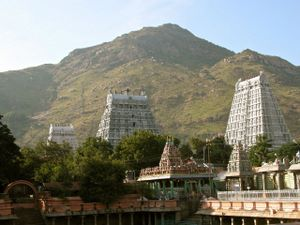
[(124, 114), (254, 111), (60, 133)]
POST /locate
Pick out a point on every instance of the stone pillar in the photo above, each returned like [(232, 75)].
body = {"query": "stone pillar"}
[(164, 187), (143, 219), (162, 220), (221, 220), (263, 177), (243, 221), (199, 186), (254, 221), (53, 221), (82, 220), (149, 218), (295, 180), (68, 220), (241, 184), (232, 221), (131, 219), (268, 222), (278, 181), (155, 219), (281, 221), (185, 187), (95, 219), (120, 219), (107, 219), (172, 188)]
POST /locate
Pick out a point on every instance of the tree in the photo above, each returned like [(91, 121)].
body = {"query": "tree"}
[(186, 151), (260, 151), (219, 151), (140, 150), (101, 181), (92, 148), (288, 150), (48, 162), (95, 147), (9, 155), (211, 150), (198, 146), (30, 162)]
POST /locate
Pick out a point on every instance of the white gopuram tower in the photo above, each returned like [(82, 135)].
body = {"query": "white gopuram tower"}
[(60, 133), (254, 111), (125, 113)]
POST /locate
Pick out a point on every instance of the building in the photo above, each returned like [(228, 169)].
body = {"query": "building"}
[(254, 111), (60, 133), (239, 170), (174, 177), (125, 113)]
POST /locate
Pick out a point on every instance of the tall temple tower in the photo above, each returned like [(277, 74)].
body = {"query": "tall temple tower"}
[(254, 111), (125, 113), (60, 133)]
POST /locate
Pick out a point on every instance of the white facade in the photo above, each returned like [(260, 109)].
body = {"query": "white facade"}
[(60, 133), (124, 114), (254, 111)]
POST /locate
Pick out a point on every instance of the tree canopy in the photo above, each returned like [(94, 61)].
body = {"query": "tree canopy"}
[(288, 150), (211, 150), (260, 151), (102, 181), (9, 155), (140, 150)]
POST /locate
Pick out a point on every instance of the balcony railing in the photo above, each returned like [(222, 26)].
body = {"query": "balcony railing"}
[(259, 195)]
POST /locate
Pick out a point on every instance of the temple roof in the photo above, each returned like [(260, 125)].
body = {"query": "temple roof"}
[(171, 166)]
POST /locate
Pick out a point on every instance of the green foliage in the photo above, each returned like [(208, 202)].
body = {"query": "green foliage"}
[(9, 155), (219, 150), (288, 150), (215, 150), (198, 146), (101, 181), (31, 161), (189, 85), (48, 162), (259, 152), (140, 150), (92, 148), (95, 147), (185, 151)]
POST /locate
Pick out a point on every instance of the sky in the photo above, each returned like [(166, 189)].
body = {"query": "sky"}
[(35, 32)]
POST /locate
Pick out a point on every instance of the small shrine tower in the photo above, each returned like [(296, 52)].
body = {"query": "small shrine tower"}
[(239, 170)]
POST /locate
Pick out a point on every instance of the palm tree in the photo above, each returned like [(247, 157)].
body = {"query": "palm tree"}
[(260, 151)]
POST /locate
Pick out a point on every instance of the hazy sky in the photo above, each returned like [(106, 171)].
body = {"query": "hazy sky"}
[(34, 32)]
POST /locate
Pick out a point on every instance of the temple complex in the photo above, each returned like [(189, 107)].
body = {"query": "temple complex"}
[(254, 111), (174, 177), (125, 113), (60, 133)]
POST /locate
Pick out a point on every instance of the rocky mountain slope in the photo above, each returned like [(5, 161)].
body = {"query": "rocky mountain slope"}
[(189, 82)]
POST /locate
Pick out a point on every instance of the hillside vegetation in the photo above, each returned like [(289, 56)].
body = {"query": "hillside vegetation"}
[(189, 81)]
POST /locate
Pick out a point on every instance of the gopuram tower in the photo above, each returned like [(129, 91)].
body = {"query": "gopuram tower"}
[(254, 111), (125, 113), (60, 133)]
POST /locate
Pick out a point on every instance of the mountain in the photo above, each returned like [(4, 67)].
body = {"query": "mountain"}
[(189, 81)]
